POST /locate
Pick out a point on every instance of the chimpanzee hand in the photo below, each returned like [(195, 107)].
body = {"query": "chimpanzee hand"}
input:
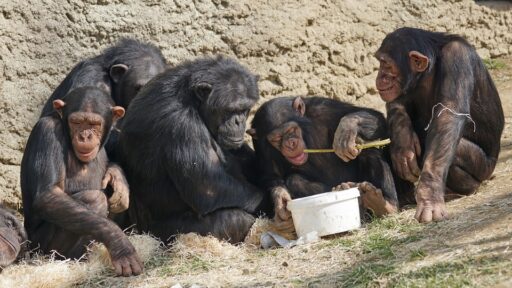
[(120, 198), (430, 203), (344, 142), (405, 150), (280, 196), (124, 258)]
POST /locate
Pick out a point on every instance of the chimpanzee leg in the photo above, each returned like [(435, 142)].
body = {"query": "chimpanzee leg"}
[(470, 167), (377, 187), (299, 186), (70, 245), (226, 224)]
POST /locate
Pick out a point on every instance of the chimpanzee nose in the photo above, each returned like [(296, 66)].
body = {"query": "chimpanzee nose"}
[(85, 135)]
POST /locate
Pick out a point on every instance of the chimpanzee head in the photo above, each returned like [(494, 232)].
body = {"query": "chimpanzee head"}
[(131, 65), (279, 123), (89, 113), (226, 92), (404, 56), (12, 235)]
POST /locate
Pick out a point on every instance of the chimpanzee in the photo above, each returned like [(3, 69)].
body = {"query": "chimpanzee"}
[(131, 64), (121, 71), (283, 127), (12, 237), (63, 173), (441, 100), (182, 148)]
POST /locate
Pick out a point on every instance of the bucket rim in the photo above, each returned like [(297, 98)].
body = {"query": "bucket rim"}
[(324, 198)]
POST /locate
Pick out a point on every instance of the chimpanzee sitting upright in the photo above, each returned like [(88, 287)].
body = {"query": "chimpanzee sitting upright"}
[(441, 100), (184, 155), (63, 173), (283, 127), (12, 236)]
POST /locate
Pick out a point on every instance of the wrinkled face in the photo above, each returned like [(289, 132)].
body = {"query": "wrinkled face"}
[(289, 141), (230, 130), (86, 130), (388, 80)]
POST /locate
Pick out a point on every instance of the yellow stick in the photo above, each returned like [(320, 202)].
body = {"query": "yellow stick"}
[(375, 144)]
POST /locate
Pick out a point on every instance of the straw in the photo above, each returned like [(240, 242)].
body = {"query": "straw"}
[(375, 144)]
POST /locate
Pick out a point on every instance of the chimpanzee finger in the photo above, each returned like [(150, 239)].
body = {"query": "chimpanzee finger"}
[(136, 265), (127, 269), (417, 145), (118, 268), (413, 165), (106, 179)]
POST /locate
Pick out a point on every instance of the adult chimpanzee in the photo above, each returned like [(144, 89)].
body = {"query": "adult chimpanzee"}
[(12, 236), (121, 71), (185, 159), (283, 127), (440, 100), (131, 64), (63, 173)]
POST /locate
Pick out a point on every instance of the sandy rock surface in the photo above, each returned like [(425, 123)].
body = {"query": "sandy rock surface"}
[(297, 47)]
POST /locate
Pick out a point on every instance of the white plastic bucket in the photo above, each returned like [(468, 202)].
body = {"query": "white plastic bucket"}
[(327, 213)]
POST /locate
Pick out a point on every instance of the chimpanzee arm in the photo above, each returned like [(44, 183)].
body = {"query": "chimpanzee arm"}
[(200, 175), (405, 146), (366, 124), (299, 186), (445, 131)]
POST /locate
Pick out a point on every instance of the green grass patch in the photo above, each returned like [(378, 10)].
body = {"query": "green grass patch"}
[(417, 254), (470, 272), (494, 64), (367, 275), (379, 244)]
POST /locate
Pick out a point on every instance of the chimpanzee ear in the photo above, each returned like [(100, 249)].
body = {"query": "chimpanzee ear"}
[(58, 105), (117, 72), (202, 90), (117, 112), (418, 61), (252, 132), (299, 106)]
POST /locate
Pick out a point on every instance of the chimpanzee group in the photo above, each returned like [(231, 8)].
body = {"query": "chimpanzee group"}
[(177, 162)]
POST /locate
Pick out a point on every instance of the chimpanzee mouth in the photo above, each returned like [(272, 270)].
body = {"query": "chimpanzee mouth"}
[(231, 143), (299, 159), (85, 153)]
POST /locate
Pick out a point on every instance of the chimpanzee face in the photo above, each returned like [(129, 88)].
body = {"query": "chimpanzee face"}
[(89, 115), (86, 130), (391, 79), (288, 139), (388, 78), (231, 128)]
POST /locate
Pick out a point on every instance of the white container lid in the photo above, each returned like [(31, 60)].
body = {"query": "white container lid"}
[(323, 198)]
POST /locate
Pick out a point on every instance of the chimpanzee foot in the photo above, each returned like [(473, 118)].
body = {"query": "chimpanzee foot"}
[(372, 199), (344, 186)]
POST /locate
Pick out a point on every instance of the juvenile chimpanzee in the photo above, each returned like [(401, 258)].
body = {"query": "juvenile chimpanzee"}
[(121, 71), (12, 236), (441, 100), (283, 127), (63, 173), (184, 155)]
